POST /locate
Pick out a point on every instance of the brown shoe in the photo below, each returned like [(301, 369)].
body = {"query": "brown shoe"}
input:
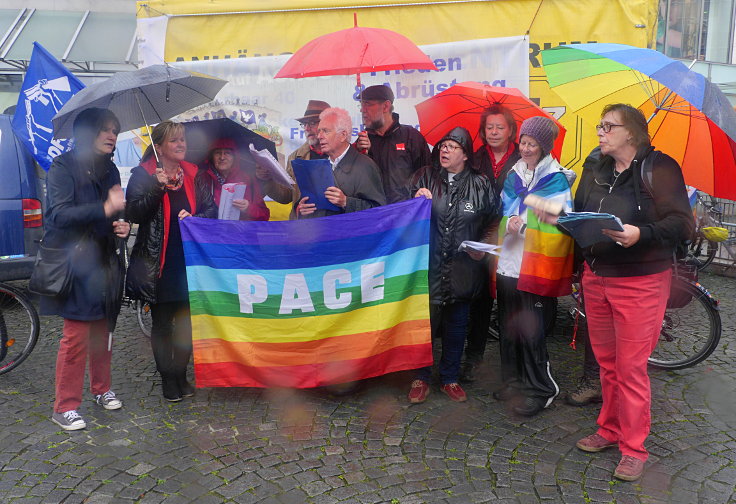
[(629, 469), (588, 391), (455, 392), (418, 392), (595, 443)]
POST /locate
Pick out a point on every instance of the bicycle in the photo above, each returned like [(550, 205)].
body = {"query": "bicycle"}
[(709, 231), (19, 327), (691, 328)]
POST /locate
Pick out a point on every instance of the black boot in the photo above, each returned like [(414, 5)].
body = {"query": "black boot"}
[(186, 388), (170, 388)]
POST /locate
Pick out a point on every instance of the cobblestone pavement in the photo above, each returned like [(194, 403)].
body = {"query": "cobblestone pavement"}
[(366, 446)]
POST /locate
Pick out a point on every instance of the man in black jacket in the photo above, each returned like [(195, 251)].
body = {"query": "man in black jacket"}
[(398, 150), (357, 180)]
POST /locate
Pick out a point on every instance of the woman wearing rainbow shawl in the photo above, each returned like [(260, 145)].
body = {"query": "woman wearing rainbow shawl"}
[(534, 267)]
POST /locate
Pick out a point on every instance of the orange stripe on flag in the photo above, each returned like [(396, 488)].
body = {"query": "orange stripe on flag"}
[(338, 348), (552, 268)]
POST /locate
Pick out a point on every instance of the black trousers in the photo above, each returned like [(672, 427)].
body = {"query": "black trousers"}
[(479, 320), (524, 358), (171, 338)]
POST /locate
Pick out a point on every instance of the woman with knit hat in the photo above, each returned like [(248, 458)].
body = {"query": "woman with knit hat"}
[(534, 267), (463, 208), (221, 167)]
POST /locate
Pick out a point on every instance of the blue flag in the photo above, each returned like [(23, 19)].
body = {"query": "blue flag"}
[(47, 86)]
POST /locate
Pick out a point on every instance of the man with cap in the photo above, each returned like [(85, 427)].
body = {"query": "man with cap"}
[(310, 149), (357, 180), (398, 150)]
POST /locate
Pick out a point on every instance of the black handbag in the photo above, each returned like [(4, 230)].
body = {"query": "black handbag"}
[(52, 272)]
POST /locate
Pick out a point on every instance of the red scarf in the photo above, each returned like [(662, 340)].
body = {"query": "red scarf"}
[(190, 170), (497, 167)]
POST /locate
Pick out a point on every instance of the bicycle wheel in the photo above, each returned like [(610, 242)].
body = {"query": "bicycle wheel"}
[(689, 333), (19, 327), (143, 312), (702, 252)]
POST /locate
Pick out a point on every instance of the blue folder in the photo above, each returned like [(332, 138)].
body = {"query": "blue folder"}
[(313, 177)]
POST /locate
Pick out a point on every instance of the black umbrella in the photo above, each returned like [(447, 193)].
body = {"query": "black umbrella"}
[(201, 135), (140, 98)]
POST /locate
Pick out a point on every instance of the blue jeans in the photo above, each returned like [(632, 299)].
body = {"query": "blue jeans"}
[(449, 322)]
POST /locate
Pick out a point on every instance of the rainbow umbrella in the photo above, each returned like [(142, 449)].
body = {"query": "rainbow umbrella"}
[(689, 117)]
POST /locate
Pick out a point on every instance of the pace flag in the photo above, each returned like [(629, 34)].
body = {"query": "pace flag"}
[(47, 86), (311, 302)]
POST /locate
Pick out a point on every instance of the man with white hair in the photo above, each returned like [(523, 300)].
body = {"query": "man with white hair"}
[(357, 178)]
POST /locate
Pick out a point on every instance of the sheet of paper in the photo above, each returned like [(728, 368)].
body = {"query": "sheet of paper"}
[(230, 192), (264, 159), (480, 247)]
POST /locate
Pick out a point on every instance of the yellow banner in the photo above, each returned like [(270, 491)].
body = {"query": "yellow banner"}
[(226, 29)]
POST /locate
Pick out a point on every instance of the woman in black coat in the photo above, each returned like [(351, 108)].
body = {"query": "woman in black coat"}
[(84, 199), (160, 195), (463, 208)]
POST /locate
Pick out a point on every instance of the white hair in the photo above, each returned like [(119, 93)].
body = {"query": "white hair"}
[(341, 118)]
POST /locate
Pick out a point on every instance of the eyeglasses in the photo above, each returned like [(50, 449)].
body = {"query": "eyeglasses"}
[(606, 127), (449, 147), (309, 124)]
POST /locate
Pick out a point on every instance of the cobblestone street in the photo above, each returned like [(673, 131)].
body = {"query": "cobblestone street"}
[(363, 446)]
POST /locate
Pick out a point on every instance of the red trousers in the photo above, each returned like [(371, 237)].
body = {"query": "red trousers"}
[(80, 339), (624, 321)]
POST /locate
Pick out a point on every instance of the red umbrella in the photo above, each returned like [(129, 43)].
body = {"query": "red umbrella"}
[(353, 51), (463, 104)]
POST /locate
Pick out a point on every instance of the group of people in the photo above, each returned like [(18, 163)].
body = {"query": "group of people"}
[(475, 196)]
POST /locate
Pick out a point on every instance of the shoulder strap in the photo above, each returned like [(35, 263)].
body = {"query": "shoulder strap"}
[(647, 170)]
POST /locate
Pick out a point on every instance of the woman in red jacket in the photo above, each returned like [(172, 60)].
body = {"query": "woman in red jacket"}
[(222, 166)]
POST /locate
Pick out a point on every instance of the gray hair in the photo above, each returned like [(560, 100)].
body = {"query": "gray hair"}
[(341, 118)]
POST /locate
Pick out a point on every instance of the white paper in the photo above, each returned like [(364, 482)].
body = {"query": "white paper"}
[(265, 159), (480, 247), (230, 192)]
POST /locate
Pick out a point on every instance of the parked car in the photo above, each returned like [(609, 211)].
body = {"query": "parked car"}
[(22, 193)]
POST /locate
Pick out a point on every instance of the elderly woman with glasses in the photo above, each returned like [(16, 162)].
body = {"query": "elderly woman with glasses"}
[(626, 278), (534, 267), (463, 207)]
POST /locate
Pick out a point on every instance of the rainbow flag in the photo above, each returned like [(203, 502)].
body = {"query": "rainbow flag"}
[(311, 302)]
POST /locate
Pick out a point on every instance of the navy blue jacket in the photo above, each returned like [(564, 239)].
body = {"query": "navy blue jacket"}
[(75, 220)]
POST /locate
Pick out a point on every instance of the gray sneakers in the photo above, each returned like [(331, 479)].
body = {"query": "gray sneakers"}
[(69, 420), (109, 401)]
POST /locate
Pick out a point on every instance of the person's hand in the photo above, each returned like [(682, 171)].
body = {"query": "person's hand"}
[(363, 143), (335, 196), (115, 201), (183, 213), (304, 208), (241, 204), (161, 176), (514, 224), (121, 228), (476, 255), (263, 173), (424, 192), (626, 238), (545, 217)]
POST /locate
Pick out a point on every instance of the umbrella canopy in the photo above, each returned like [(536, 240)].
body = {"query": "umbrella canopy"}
[(200, 136), (353, 51), (689, 117), (463, 104), (146, 96)]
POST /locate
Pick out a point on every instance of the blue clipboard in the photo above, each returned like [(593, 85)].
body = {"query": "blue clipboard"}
[(313, 177)]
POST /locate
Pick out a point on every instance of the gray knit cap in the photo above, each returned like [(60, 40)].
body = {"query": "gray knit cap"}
[(543, 130)]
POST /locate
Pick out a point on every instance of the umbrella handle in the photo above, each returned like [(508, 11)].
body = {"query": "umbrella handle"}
[(138, 101)]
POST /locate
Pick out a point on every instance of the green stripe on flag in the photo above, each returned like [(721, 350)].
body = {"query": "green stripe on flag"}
[(228, 305)]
